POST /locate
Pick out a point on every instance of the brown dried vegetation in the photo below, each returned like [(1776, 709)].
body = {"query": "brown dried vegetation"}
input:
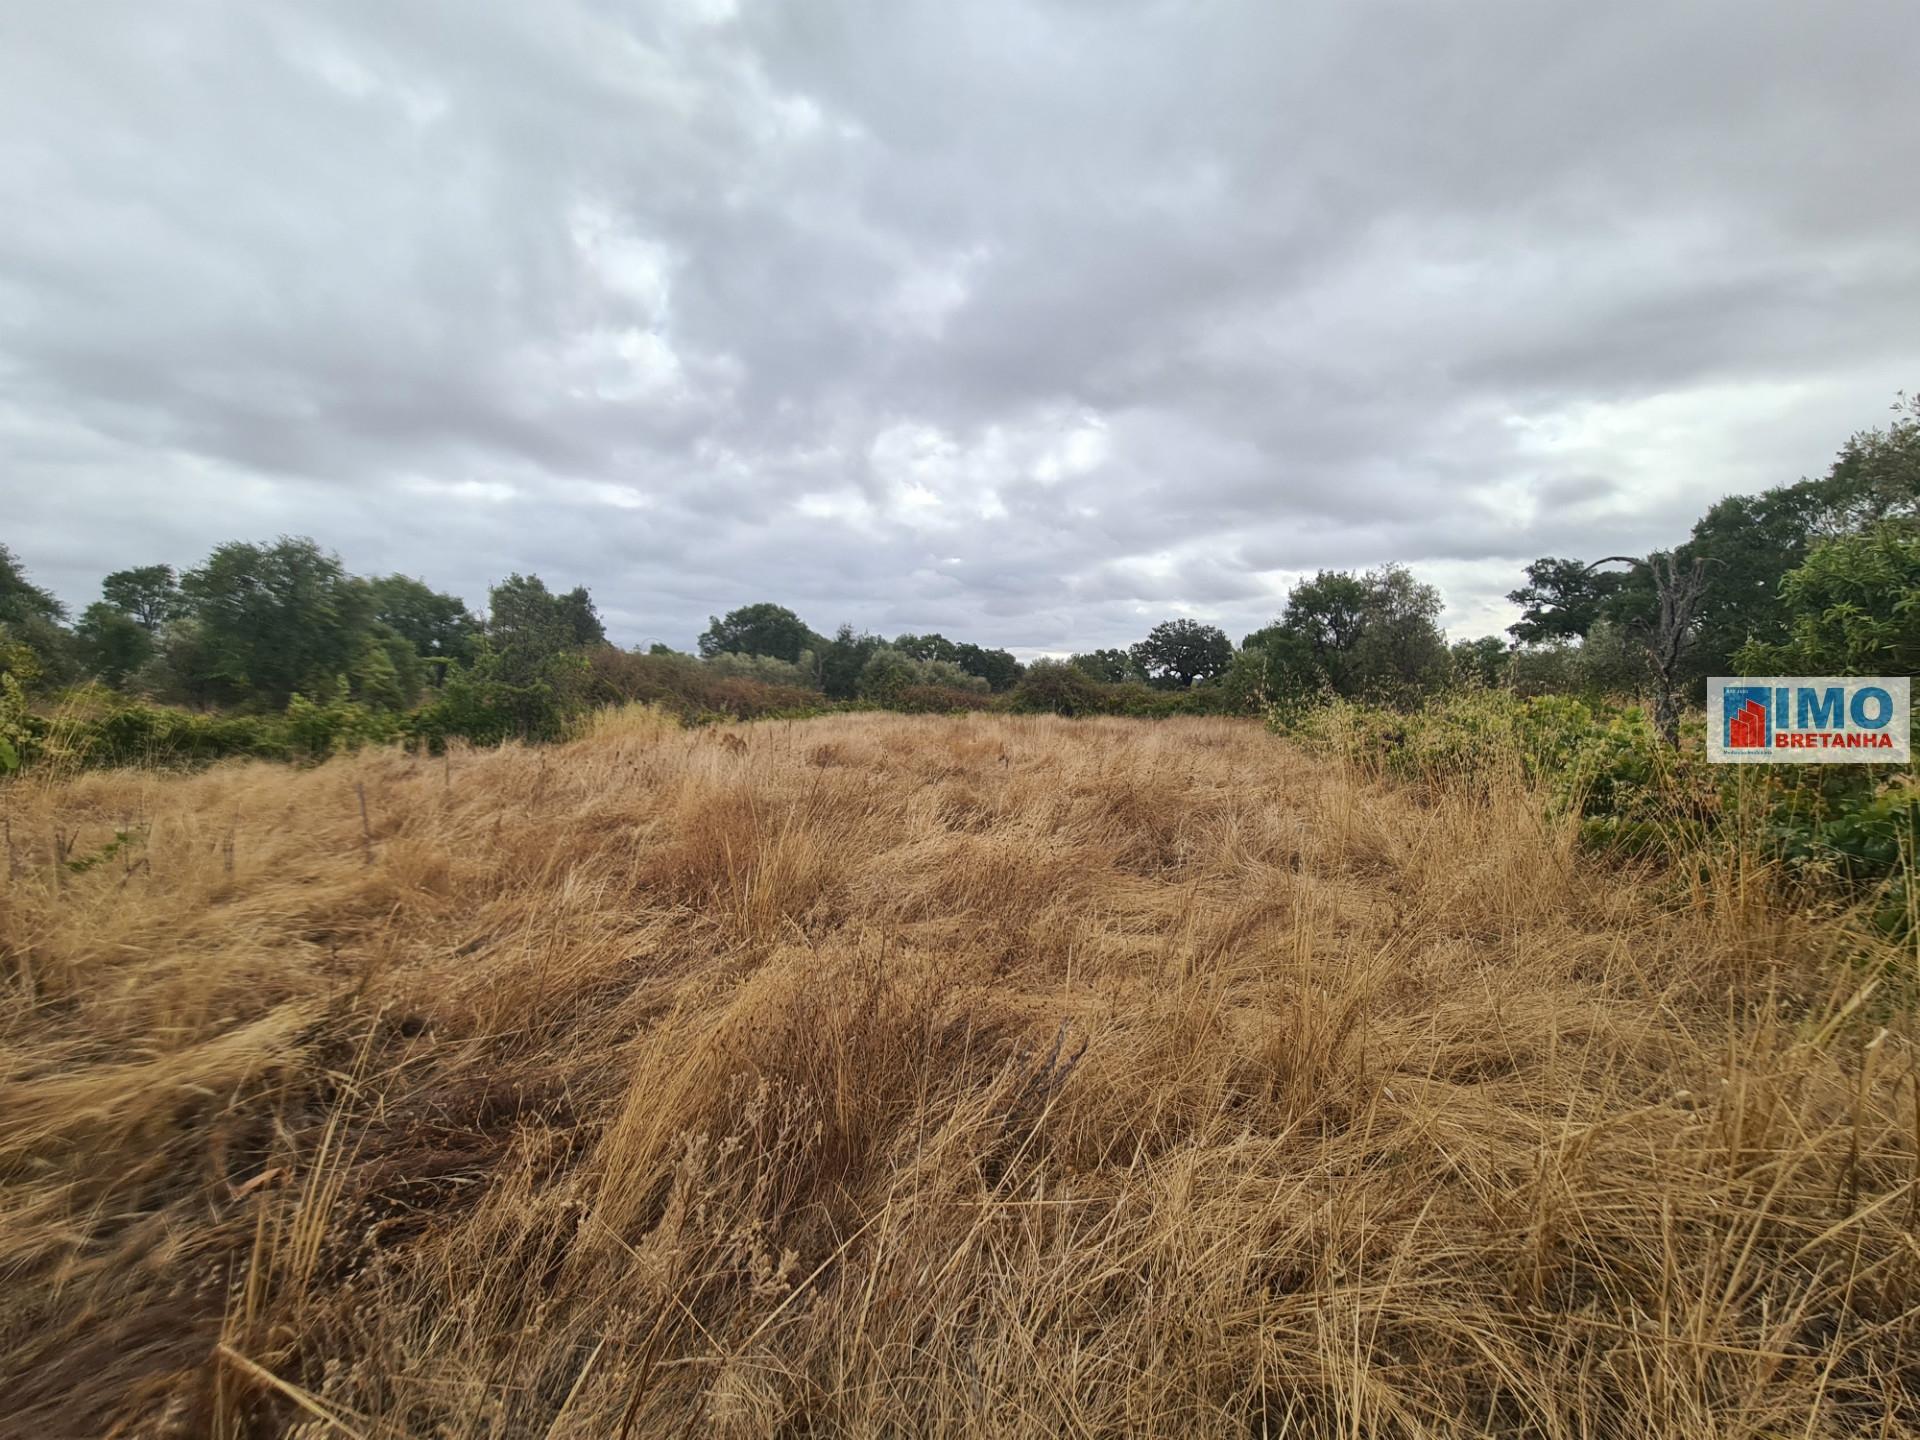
[(878, 1075)]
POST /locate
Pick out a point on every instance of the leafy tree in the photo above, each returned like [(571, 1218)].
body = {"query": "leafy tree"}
[(21, 599), (759, 629), (1326, 615), (482, 703), (1749, 543), (148, 593), (1109, 667), (1254, 679), (1877, 475), (274, 619), (928, 647), (1561, 599), (886, 673), (112, 643), (533, 636), (33, 646), (1374, 635), (1178, 652), (1400, 653), (386, 671), (1854, 608), (437, 626), (529, 674), (576, 610), (842, 660), (522, 611), (997, 667)]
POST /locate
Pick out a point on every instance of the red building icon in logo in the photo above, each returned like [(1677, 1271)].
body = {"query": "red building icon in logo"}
[(1747, 727)]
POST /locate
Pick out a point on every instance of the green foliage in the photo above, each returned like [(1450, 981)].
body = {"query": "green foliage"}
[(316, 731), (1056, 687), (1608, 665), (1836, 831), (888, 673), (1252, 681), (1561, 600), (149, 594), (527, 625), (1399, 654), (1482, 661), (112, 644), (927, 647), (140, 734), (759, 629), (273, 619), (1109, 667), (1750, 544), (1462, 738), (997, 667), (1176, 653), (34, 649), (503, 697), (1876, 476), (1320, 629), (842, 659), (803, 674), (530, 677), (692, 690), (1853, 608), (1059, 687), (939, 700), (438, 626), (17, 724), (1374, 636), (20, 599)]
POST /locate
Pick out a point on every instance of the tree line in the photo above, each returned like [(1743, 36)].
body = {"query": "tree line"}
[(1822, 575), (258, 624)]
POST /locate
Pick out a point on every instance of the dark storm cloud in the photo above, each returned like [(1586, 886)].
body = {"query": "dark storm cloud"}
[(1032, 322)]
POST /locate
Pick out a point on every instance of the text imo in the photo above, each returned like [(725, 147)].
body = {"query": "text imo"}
[(1810, 719)]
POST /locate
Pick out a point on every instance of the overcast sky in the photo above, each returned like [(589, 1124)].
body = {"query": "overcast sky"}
[(1033, 323)]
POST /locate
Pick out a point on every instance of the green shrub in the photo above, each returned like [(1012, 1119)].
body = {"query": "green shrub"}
[(341, 725), (1847, 831), (940, 699), (1058, 688)]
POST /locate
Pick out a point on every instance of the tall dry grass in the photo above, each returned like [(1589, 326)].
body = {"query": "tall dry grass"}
[(886, 1076)]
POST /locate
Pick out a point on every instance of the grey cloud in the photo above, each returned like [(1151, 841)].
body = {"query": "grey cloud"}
[(1027, 321)]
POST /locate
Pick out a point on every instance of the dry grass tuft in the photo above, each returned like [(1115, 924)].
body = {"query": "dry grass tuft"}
[(875, 1075)]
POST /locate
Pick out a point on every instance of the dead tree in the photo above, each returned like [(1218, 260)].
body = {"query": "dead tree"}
[(1680, 593)]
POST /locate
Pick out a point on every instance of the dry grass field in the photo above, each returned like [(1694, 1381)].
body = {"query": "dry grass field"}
[(879, 1076)]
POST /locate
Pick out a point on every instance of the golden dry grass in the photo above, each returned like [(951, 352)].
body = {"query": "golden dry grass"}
[(885, 1076)]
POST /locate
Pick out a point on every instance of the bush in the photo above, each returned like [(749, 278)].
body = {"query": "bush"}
[(888, 673), (940, 700), (478, 708), (691, 689), (802, 674), (341, 725), (1843, 831), (1056, 687)]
